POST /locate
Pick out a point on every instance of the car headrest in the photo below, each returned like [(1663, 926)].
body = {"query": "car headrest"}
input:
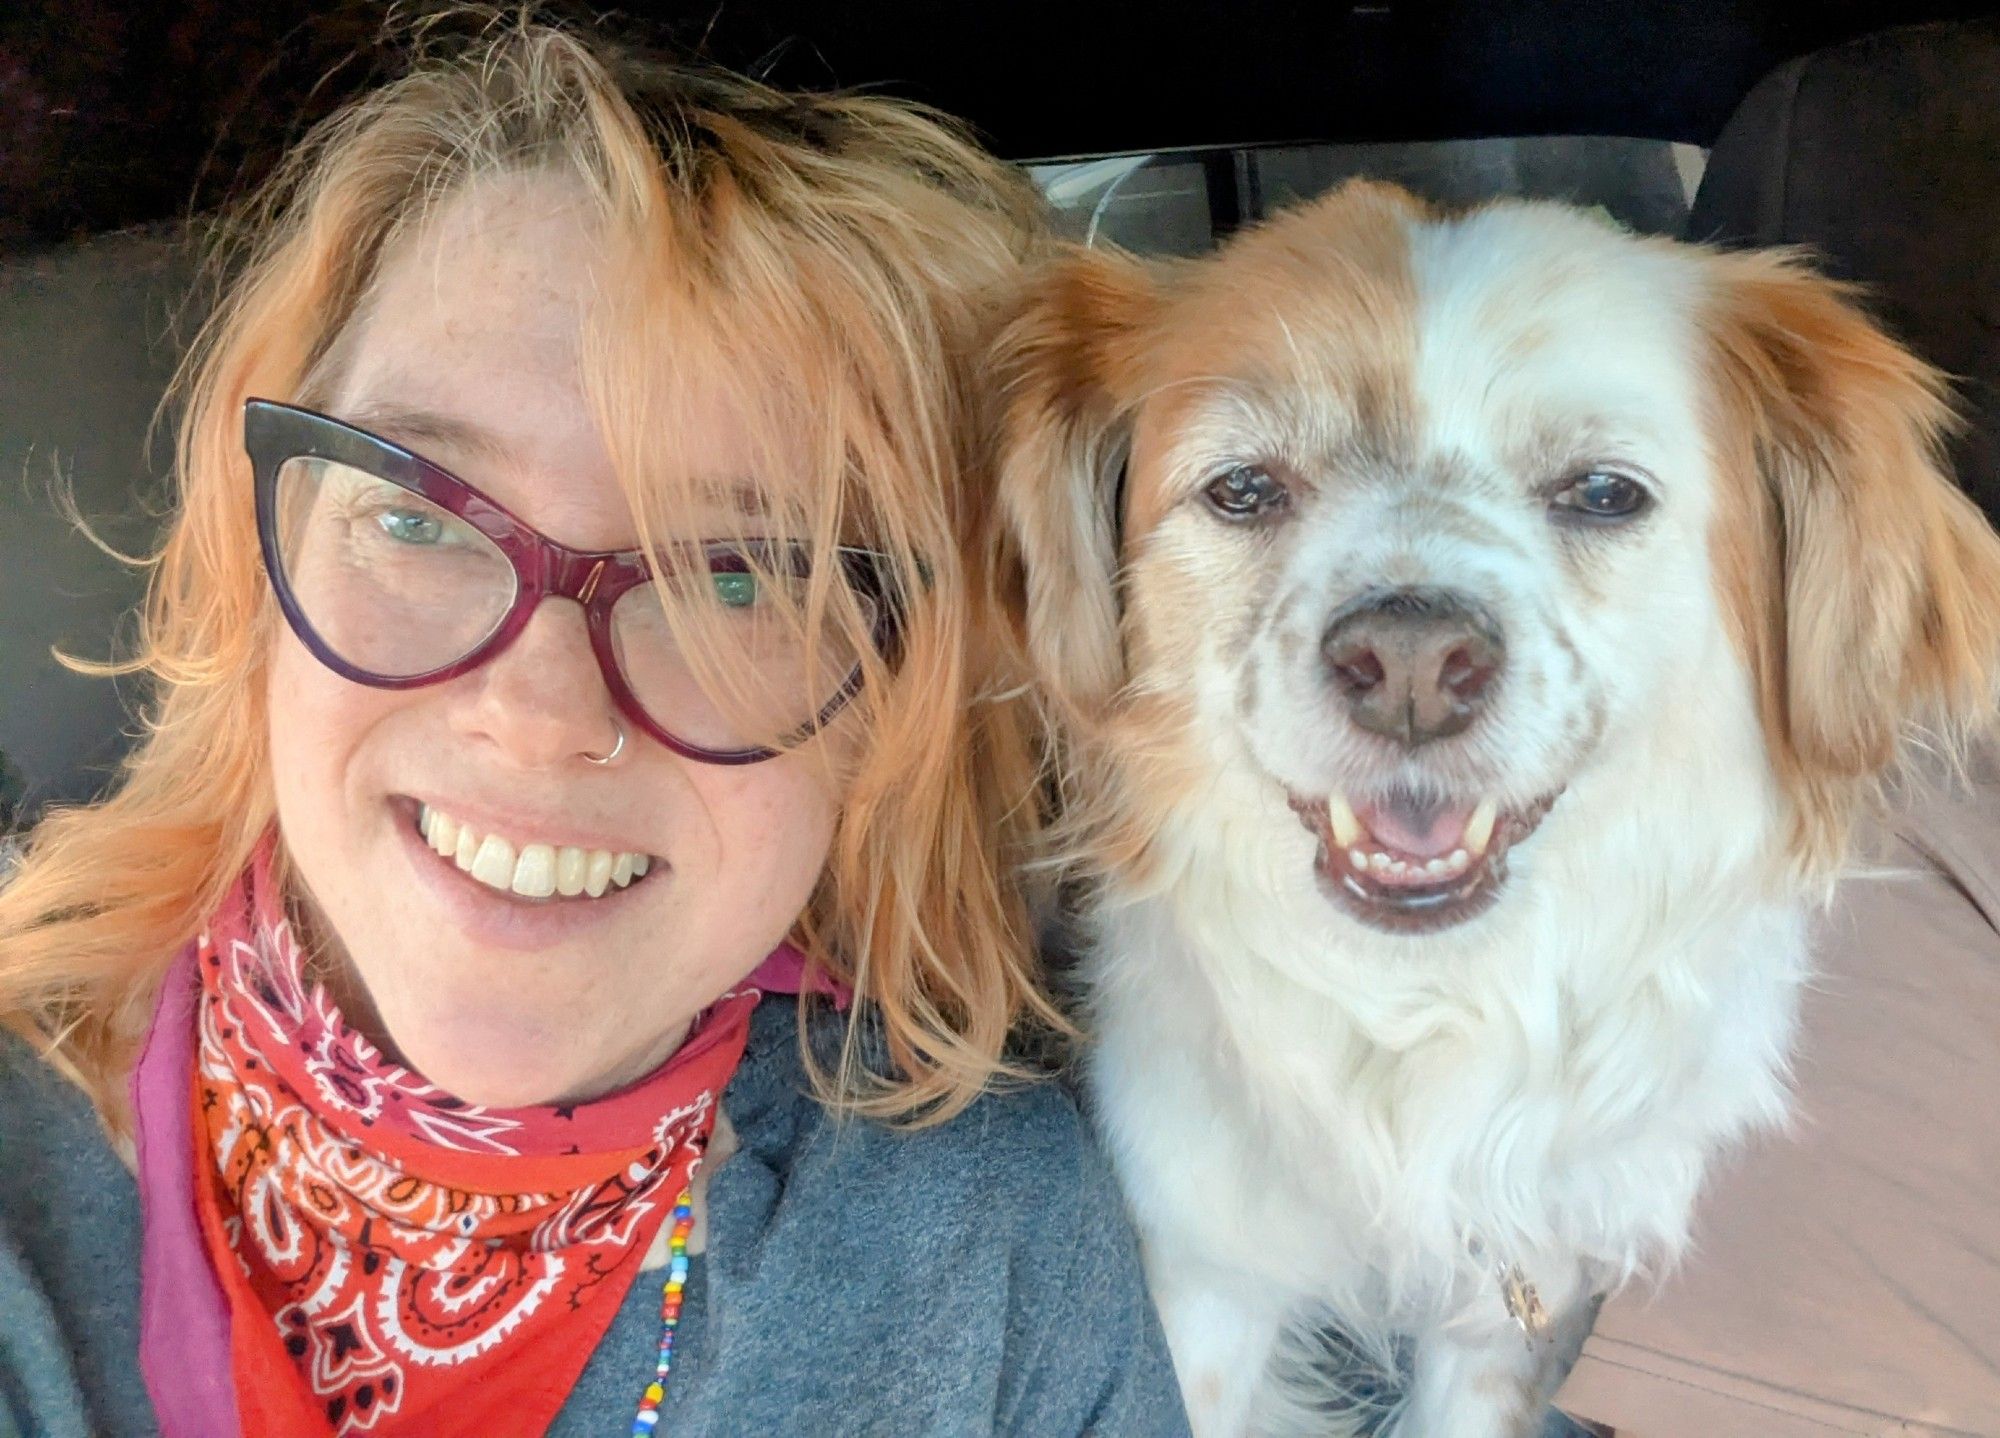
[(1883, 156), (89, 337)]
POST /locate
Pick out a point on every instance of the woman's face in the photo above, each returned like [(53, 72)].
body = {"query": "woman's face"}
[(469, 354)]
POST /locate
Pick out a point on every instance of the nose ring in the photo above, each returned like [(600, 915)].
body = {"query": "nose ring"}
[(616, 749)]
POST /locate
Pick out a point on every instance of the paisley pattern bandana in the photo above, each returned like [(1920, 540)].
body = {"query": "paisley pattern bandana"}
[(397, 1261)]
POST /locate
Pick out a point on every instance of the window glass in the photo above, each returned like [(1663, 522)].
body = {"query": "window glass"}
[(1175, 204)]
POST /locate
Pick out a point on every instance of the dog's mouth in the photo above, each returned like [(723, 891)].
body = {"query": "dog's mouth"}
[(1408, 863)]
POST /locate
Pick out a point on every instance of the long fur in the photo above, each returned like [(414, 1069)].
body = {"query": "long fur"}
[(1324, 1128)]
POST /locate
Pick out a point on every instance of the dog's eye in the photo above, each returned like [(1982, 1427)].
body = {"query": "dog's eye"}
[(1601, 497), (1244, 492)]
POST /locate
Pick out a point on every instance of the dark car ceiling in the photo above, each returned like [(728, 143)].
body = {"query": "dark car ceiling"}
[(114, 112)]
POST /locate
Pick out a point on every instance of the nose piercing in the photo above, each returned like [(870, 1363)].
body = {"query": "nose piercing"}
[(616, 749)]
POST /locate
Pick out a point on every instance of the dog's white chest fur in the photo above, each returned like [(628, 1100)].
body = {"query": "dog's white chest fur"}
[(1321, 1126), (1292, 1161)]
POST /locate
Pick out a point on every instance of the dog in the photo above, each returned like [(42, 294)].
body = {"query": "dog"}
[(1471, 638)]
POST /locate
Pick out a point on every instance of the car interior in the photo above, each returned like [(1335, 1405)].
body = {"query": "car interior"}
[(1867, 134)]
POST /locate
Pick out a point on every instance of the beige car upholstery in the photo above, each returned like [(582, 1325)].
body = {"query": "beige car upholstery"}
[(1847, 1277)]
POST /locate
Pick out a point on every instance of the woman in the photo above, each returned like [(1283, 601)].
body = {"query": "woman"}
[(562, 652)]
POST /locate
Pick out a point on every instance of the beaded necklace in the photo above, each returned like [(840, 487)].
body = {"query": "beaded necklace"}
[(648, 1416)]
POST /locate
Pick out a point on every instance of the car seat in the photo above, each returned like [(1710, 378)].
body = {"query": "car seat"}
[(1883, 156)]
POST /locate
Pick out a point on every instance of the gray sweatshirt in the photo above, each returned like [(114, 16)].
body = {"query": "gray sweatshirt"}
[(974, 1278)]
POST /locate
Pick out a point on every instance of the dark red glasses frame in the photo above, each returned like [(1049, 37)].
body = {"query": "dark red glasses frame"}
[(274, 433)]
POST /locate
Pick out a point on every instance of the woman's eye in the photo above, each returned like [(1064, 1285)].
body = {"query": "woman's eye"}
[(736, 591), (1601, 496), (1244, 492), (410, 526)]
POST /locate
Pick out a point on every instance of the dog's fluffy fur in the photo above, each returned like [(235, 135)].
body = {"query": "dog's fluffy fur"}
[(1322, 1125)]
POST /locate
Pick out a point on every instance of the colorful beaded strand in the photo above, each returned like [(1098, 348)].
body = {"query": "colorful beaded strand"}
[(648, 1417)]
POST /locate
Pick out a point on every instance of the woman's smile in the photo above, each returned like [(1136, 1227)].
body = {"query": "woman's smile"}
[(490, 916), (531, 868)]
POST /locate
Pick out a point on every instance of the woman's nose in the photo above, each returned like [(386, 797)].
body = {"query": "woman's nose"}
[(542, 700)]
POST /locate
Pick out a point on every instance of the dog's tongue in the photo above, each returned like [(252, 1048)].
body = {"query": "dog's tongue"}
[(1421, 829)]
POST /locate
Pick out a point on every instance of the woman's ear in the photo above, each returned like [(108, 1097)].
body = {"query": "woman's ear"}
[(1066, 366), (1866, 583)]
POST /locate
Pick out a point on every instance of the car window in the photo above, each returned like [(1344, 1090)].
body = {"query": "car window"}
[(1177, 203)]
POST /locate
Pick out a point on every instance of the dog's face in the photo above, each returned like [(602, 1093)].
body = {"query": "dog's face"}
[(1420, 557), (1407, 522)]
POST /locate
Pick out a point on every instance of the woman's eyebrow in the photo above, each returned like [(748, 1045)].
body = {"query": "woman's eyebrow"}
[(414, 428), (739, 496)]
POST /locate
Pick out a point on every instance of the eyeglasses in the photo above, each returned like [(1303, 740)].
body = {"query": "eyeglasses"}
[(396, 574)]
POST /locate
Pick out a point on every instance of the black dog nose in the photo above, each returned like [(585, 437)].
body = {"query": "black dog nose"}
[(1414, 665)]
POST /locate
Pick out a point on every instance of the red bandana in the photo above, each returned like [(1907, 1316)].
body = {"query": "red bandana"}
[(397, 1261)]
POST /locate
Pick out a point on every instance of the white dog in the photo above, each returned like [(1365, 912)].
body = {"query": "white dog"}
[(1472, 636)]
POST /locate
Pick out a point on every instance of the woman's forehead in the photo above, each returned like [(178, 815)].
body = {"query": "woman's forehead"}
[(470, 350), (517, 258)]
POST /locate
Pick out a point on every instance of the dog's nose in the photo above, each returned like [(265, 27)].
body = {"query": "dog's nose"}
[(1413, 665)]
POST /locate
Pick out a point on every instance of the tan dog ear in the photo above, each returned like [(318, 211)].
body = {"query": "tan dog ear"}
[(1866, 584), (1066, 365)]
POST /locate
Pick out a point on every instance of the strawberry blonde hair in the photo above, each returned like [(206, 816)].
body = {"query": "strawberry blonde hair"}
[(837, 248)]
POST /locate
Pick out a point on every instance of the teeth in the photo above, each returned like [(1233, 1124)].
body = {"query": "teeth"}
[(533, 870), (443, 831), (1364, 862), (1355, 842), (1479, 833), (571, 865), (1340, 815), (494, 863)]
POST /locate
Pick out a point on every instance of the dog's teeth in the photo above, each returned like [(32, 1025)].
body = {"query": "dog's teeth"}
[(1358, 859), (1479, 833), (1380, 863), (1437, 867), (1340, 816)]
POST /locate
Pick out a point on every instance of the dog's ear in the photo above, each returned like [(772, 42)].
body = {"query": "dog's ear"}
[(1066, 365), (1865, 584)]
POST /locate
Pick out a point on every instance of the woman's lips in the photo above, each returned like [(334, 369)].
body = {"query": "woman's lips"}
[(499, 919), (527, 867)]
